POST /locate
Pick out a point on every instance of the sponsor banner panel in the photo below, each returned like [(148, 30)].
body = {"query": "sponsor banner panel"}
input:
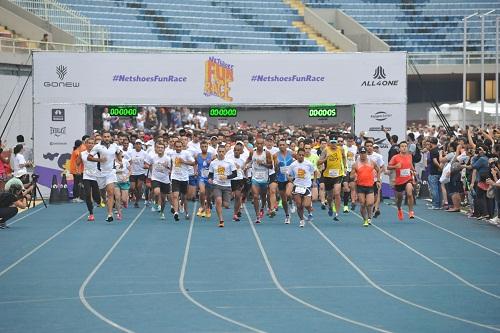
[(374, 118), (225, 78), (56, 129)]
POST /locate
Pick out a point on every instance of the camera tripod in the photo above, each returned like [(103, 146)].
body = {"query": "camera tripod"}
[(34, 194)]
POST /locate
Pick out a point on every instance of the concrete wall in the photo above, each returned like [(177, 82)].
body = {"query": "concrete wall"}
[(22, 119), (30, 25), (364, 39), (314, 20)]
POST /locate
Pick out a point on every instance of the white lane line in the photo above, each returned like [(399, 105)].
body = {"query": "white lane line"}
[(81, 292), (388, 293), (24, 216), (455, 275), (188, 296), (40, 246), (295, 298), (456, 235)]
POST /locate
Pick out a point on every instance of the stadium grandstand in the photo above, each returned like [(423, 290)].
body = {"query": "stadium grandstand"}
[(249, 165)]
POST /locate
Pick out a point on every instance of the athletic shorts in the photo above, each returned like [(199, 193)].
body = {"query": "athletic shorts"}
[(273, 178), (262, 185), (364, 189), (103, 181), (125, 186), (375, 188), (401, 187), (331, 182), (203, 181), (193, 181), (347, 177), (136, 178), (179, 186), (164, 187), (237, 184), (222, 191), (282, 186), (307, 194)]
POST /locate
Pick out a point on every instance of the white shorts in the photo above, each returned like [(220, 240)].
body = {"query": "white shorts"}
[(106, 180)]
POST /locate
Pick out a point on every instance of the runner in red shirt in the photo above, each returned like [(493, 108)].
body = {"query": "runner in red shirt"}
[(405, 172)]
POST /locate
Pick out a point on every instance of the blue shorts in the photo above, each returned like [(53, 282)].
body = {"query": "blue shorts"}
[(203, 180), (193, 181), (259, 184)]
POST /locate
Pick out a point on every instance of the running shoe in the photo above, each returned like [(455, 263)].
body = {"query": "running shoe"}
[(411, 214), (172, 210), (109, 219), (239, 214), (400, 215), (208, 213), (221, 224), (323, 206), (257, 221), (310, 217), (119, 217), (176, 217), (236, 218), (136, 205), (91, 218), (162, 216), (365, 224), (346, 209), (353, 207), (203, 214), (200, 212), (336, 218), (369, 221), (287, 220), (154, 208), (272, 213), (302, 223), (102, 204), (377, 214), (261, 214), (187, 216), (330, 211), (181, 209)]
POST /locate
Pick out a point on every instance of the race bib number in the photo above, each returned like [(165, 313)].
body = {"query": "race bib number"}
[(284, 170), (300, 189), (334, 173), (260, 174), (204, 173), (405, 172)]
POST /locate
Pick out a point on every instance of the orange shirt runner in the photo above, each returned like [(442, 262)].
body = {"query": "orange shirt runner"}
[(404, 173), (364, 172)]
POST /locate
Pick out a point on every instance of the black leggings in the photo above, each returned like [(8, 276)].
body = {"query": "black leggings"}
[(7, 213), (91, 192), (77, 187)]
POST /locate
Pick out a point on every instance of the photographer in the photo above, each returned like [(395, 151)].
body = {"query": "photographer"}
[(15, 197)]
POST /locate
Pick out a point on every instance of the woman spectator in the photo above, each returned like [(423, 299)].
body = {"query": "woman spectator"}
[(20, 165), (481, 170), (106, 120), (3, 170)]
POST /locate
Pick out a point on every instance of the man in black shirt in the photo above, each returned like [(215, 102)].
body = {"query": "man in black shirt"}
[(434, 174), (10, 201)]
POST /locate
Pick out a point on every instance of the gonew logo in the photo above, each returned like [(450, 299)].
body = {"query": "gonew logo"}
[(218, 77), (379, 73), (61, 72), (381, 116), (379, 79)]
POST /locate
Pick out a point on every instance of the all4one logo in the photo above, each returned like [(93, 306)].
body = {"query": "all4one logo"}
[(379, 79), (61, 72)]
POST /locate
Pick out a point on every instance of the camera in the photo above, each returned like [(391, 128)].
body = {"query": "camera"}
[(34, 178)]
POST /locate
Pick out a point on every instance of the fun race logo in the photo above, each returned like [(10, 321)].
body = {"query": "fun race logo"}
[(218, 78)]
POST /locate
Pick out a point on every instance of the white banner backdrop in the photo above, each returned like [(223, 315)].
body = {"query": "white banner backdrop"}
[(56, 129), (224, 78)]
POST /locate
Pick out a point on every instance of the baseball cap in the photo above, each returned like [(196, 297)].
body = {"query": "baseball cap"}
[(362, 150), (139, 141), (333, 140), (376, 146)]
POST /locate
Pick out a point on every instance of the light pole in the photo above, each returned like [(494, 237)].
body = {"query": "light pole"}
[(464, 78), (482, 65)]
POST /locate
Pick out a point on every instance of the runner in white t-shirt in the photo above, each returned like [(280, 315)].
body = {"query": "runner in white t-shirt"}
[(238, 183), (273, 183), (122, 186), (220, 173), (181, 160), (138, 173), (91, 189), (349, 186), (301, 172), (160, 165), (104, 154)]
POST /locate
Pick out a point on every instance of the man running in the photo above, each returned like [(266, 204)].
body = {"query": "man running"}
[(301, 172), (402, 164), (181, 160), (282, 162), (203, 160), (362, 174), (273, 183), (220, 174), (90, 187), (104, 154), (239, 181), (160, 165), (138, 174), (351, 150), (379, 160), (335, 164), (261, 162)]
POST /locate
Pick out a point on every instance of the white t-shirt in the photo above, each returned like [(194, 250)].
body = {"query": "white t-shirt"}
[(89, 168), (18, 160), (302, 173), (350, 153), (193, 151), (122, 172), (238, 163), (107, 167), (219, 168), (160, 167), (379, 160), (180, 171), (137, 159), (212, 150), (273, 150)]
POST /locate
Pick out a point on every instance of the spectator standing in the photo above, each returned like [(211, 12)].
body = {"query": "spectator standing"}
[(106, 120), (434, 173)]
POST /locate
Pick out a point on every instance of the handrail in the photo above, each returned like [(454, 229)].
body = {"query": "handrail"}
[(67, 19)]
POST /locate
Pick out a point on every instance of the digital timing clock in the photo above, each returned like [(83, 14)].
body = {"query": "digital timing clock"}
[(223, 112), (322, 111), (123, 111)]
